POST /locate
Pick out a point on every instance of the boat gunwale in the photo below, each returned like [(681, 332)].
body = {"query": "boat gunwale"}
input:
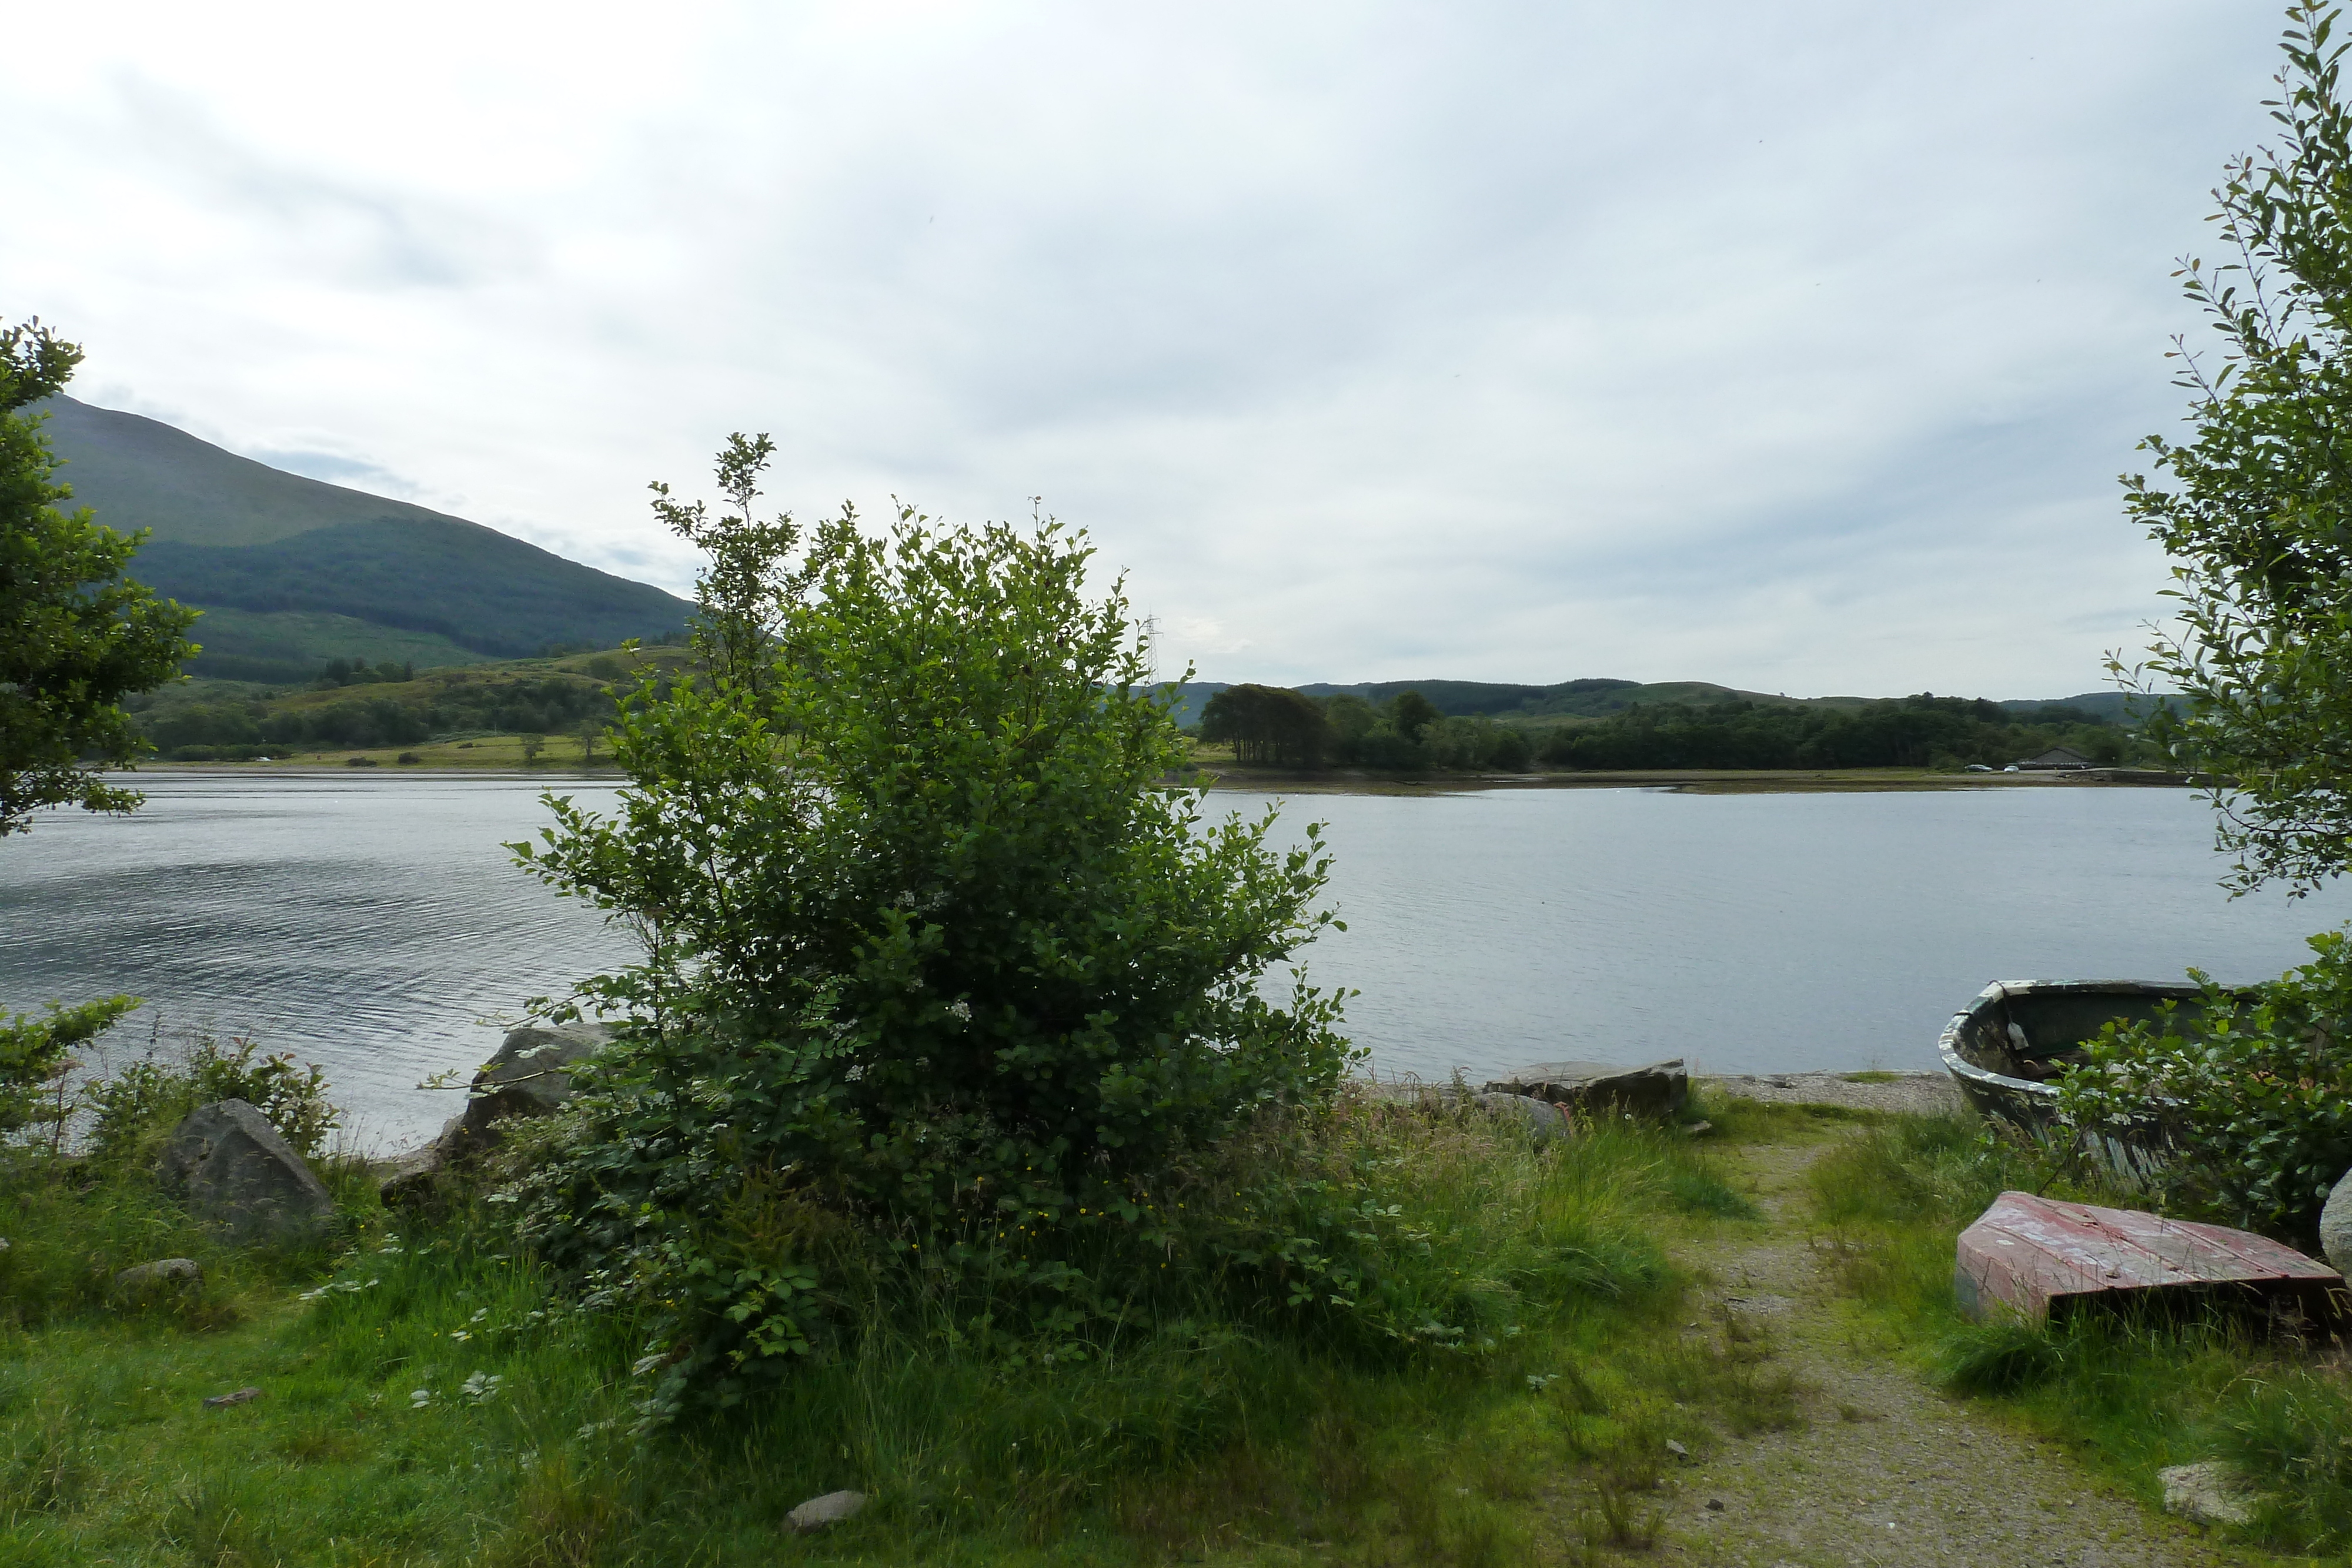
[(2039, 1101)]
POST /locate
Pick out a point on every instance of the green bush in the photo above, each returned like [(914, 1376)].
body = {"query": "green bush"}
[(34, 1055), (138, 1104), (936, 968), (2253, 1092)]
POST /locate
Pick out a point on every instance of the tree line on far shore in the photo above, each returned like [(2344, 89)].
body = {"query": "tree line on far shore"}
[(1273, 727)]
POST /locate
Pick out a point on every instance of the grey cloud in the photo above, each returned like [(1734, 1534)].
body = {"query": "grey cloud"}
[(1791, 346)]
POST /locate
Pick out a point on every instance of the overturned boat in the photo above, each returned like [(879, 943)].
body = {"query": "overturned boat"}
[(2041, 1259)]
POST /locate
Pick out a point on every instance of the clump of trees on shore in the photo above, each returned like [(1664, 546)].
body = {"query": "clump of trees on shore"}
[(1923, 731), (1275, 727)]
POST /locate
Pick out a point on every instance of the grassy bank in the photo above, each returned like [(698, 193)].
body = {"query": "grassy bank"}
[(427, 1395), (2129, 1395)]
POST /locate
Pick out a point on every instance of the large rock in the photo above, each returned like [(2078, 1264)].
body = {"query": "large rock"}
[(418, 1179), (1659, 1089), (235, 1173), (2336, 1227), (530, 1076)]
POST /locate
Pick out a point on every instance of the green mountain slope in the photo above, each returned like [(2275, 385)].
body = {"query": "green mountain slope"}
[(316, 571), (282, 647)]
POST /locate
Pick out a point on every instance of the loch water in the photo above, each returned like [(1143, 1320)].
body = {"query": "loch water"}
[(374, 923)]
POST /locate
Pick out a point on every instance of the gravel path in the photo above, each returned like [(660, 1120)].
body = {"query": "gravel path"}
[(1883, 1470)]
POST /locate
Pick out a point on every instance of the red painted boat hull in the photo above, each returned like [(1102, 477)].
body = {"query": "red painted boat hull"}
[(2041, 1259)]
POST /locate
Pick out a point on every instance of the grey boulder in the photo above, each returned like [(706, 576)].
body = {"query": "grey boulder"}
[(235, 1173), (415, 1179), (819, 1511), (2336, 1227), (1660, 1089), (530, 1076)]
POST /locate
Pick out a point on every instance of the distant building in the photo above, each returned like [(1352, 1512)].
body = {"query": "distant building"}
[(2057, 759)]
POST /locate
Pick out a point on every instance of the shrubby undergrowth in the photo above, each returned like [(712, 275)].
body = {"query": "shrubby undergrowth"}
[(2252, 1094), (939, 970), (435, 1392), (77, 1196)]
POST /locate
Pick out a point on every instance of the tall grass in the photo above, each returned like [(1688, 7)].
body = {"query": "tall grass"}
[(430, 1396), (2132, 1393)]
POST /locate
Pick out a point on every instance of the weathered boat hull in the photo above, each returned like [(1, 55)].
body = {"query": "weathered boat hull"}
[(2039, 1259), (2007, 1042)]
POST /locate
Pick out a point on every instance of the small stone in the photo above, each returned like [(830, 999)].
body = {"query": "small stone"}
[(1698, 1129), (222, 1401), (819, 1511), (139, 1280), (2205, 1493), (1714, 1505), (1676, 1450)]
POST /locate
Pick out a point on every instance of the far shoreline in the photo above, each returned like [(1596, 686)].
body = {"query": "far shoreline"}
[(376, 766)]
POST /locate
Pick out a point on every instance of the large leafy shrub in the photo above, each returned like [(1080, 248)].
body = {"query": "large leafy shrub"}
[(2256, 516), (935, 963), (2253, 1093)]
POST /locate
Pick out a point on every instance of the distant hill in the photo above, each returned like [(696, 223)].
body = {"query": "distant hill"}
[(299, 571), (1592, 697), (2113, 707)]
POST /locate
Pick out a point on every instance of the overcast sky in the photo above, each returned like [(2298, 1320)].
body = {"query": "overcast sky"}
[(1794, 346)]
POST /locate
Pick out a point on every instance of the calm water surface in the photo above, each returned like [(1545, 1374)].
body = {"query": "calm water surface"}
[(376, 926)]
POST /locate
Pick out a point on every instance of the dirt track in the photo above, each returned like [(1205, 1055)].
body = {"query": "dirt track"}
[(1883, 1470)]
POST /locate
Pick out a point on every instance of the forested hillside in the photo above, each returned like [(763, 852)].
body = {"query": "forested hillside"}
[(310, 570)]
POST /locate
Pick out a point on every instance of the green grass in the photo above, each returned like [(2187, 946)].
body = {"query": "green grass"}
[(1742, 1121), (2129, 1394), (1205, 1429)]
